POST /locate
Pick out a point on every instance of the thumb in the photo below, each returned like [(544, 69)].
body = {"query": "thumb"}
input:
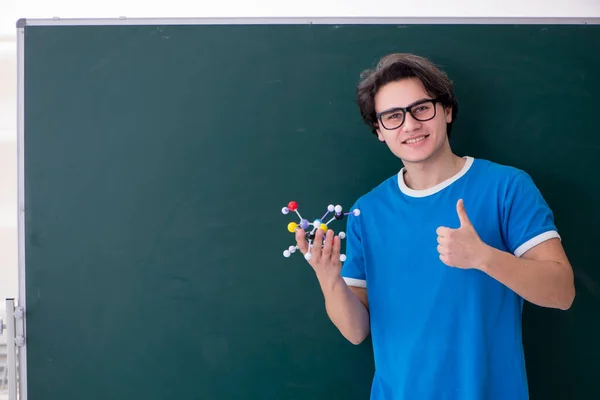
[(462, 213)]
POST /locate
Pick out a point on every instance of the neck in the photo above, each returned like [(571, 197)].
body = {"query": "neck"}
[(433, 171)]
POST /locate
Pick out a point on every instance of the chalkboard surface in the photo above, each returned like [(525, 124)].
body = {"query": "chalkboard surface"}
[(157, 159)]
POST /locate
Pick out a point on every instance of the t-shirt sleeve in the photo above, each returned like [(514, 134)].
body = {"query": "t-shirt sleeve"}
[(528, 220), (353, 269)]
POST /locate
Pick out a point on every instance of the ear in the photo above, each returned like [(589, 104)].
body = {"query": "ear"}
[(379, 135), (448, 114)]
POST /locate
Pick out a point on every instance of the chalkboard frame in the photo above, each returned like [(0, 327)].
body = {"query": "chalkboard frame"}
[(22, 23)]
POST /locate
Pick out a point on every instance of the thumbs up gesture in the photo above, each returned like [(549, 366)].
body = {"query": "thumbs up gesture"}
[(462, 247)]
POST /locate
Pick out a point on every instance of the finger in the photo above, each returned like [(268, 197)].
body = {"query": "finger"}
[(462, 213), (442, 231), (335, 250), (445, 259), (317, 244), (301, 241), (327, 244), (442, 250)]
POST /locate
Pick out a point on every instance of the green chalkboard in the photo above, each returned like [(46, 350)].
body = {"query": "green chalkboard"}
[(157, 158)]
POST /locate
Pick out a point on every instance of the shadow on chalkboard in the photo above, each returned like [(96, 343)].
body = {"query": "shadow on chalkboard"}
[(468, 136), (561, 346)]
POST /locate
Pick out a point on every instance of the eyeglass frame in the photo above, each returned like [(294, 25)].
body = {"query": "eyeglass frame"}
[(408, 109)]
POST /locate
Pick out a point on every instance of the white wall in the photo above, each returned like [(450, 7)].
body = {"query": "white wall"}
[(8, 172), (11, 10)]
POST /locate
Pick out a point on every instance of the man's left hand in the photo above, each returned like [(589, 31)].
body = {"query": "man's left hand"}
[(462, 247)]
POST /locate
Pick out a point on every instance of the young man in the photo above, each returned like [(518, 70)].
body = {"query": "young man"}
[(442, 255)]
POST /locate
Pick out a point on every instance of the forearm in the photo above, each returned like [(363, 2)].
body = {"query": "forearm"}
[(345, 309), (544, 283)]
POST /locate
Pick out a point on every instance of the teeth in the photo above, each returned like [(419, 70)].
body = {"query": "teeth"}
[(415, 140)]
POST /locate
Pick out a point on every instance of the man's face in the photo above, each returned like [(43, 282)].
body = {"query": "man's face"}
[(414, 141)]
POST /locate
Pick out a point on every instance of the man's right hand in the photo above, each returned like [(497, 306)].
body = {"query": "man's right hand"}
[(325, 254)]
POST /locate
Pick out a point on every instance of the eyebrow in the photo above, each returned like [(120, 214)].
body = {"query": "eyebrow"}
[(411, 104)]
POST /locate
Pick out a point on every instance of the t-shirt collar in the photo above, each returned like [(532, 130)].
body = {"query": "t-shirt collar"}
[(434, 189)]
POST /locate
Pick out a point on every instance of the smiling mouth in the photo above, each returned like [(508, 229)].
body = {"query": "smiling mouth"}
[(415, 140)]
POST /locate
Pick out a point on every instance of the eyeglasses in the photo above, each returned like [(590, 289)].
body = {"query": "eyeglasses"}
[(423, 110)]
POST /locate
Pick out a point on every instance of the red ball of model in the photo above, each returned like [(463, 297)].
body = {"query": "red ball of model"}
[(293, 206)]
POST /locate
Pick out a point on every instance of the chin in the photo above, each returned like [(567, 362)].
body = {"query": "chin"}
[(414, 156), (413, 159)]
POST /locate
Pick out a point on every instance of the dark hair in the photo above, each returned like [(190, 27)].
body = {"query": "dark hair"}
[(397, 66)]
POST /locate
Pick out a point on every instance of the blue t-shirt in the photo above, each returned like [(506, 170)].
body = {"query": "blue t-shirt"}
[(440, 332)]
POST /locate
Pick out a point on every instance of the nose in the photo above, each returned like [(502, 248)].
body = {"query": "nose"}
[(410, 124)]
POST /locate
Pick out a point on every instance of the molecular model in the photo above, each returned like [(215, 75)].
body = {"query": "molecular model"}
[(316, 224)]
